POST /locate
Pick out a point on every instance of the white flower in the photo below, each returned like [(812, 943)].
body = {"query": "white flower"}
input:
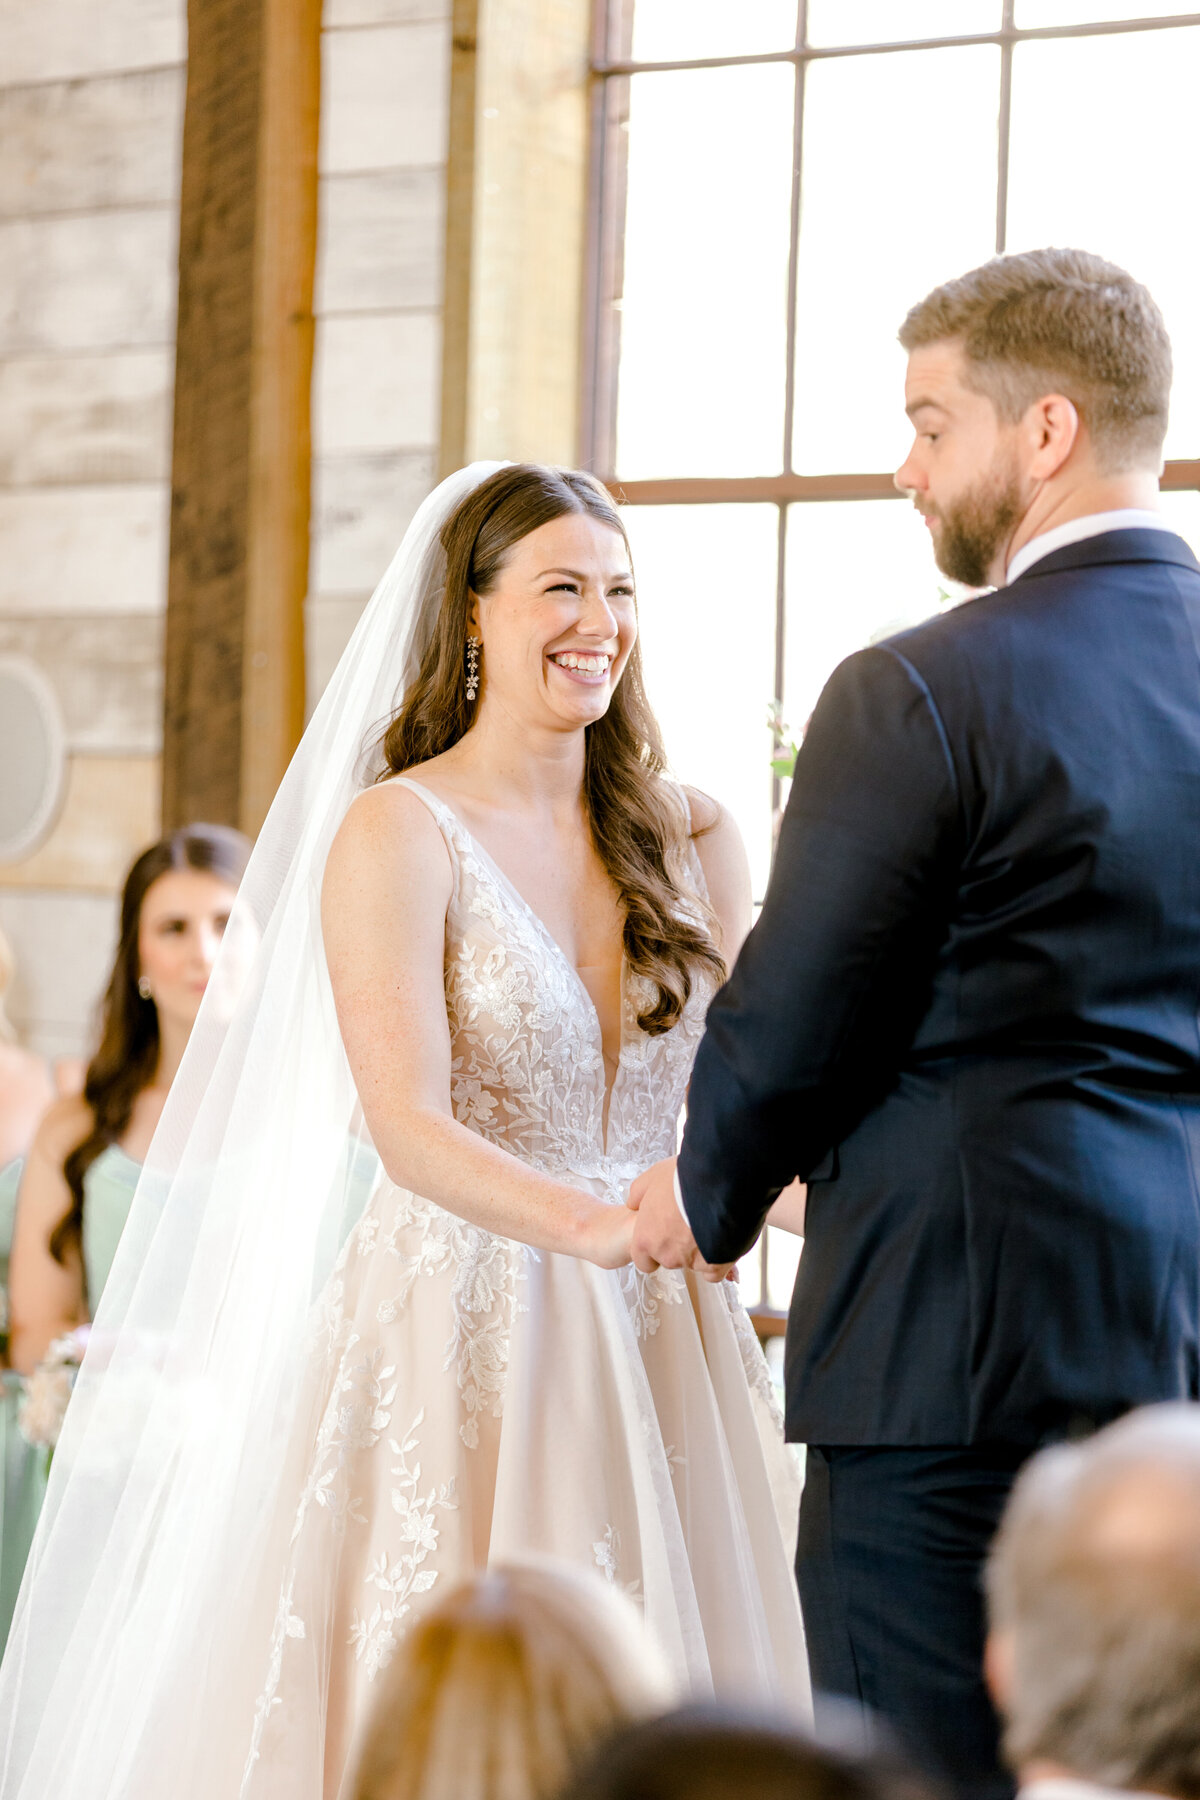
[(43, 1405)]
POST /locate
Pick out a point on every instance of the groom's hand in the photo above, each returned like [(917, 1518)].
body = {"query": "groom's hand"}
[(661, 1238)]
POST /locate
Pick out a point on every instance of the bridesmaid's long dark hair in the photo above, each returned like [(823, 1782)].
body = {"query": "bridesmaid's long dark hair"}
[(127, 1056), (638, 827)]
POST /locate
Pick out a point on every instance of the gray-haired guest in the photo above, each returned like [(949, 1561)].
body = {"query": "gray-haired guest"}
[(1094, 1590)]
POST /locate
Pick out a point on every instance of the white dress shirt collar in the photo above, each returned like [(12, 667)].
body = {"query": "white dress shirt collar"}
[(1128, 518)]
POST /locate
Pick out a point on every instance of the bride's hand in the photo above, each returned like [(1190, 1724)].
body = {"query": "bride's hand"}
[(608, 1237)]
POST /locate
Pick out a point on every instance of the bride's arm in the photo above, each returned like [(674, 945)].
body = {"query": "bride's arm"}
[(383, 913), (787, 1214)]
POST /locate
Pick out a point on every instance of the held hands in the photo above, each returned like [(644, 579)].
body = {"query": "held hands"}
[(661, 1238)]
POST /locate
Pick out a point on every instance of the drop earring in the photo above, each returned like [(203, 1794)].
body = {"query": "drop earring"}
[(144, 988), (472, 669)]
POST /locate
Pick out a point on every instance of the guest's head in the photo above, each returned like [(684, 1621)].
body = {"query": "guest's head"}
[(707, 1753), (175, 904), (174, 909), (502, 1689), (1031, 379), (1094, 1589)]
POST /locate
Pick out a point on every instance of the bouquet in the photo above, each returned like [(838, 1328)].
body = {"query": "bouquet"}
[(44, 1403)]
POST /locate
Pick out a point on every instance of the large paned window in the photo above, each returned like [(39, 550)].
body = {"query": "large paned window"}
[(774, 184)]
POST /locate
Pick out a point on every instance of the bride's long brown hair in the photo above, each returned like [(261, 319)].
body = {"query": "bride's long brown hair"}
[(638, 825)]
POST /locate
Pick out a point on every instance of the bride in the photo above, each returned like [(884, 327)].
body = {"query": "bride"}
[(312, 1398)]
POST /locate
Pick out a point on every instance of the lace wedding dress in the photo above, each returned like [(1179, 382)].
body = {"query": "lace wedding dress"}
[(473, 1399)]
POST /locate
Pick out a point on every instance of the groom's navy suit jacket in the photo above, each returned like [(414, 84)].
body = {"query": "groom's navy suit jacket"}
[(968, 1015)]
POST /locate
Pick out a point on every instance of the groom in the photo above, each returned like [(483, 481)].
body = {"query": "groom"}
[(968, 1014)]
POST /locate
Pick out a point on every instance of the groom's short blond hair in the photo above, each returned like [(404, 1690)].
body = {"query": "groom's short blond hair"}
[(1060, 321)]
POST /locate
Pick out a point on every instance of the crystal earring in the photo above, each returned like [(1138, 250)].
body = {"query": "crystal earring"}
[(144, 988), (472, 668)]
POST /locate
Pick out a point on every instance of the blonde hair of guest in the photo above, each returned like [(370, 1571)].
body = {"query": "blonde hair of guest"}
[(500, 1692)]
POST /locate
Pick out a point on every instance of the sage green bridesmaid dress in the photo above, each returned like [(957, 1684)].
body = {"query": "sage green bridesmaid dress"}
[(107, 1194)]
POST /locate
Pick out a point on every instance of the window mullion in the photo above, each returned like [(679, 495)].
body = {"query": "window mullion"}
[(1005, 125), (789, 397), (780, 639)]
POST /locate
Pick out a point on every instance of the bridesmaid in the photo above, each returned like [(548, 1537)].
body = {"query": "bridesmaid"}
[(87, 1155), (26, 1090), (84, 1163)]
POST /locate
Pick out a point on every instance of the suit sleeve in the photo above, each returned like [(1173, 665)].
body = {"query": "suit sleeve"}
[(831, 984)]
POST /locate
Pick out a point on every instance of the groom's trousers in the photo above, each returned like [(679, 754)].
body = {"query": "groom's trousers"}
[(889, 1562)]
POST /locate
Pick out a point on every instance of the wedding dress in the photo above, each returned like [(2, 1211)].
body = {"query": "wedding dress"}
[(476, 1400), (311, 1403)]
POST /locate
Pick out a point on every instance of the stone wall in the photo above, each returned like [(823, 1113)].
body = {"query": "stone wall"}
[(91, 102)]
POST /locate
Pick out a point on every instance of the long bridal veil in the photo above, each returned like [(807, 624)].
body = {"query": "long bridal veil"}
[(154, 1573)]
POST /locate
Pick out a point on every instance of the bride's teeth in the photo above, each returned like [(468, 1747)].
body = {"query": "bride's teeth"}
[(590, 665)]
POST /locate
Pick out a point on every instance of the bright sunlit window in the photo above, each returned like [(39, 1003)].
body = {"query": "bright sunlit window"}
[(775, 184)]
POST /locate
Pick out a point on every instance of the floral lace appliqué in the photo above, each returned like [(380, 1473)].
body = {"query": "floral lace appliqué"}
[(645, 1295), (356, 1415), (398, 1578), (484, 1273), (607, 1552), (753, 1360), (286, 1625)]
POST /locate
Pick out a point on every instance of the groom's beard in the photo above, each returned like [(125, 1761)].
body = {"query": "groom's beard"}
[(975, 527)]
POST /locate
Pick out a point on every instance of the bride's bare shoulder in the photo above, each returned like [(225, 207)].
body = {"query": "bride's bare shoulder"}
[(389, 840), (705, 812), (726, 869)]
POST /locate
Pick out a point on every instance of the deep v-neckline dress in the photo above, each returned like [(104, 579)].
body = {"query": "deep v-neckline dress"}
[(473, 1400)]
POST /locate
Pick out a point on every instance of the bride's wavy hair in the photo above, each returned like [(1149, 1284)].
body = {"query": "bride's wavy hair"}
[(639, 827)]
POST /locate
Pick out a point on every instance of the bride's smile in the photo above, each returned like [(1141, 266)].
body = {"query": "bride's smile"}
[(586, 666)]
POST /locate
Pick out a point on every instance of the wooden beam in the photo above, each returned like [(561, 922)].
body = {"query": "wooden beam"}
[(460, 225), (777, 489), (742, 489), (234, 705)]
